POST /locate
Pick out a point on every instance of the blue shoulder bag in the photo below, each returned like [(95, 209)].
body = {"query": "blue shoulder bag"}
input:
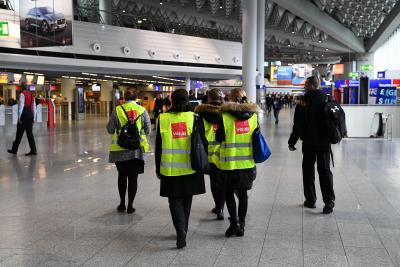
[(261, 151)]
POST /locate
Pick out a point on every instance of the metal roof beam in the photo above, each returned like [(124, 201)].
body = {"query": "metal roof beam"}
[(312, 14), (389, 25), (331, 44)]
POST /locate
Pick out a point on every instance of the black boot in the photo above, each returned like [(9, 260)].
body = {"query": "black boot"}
[(180, 240), (220, 215), (240, 232), (233, 228)]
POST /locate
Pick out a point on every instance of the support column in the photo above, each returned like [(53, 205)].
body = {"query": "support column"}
[(260, 52), (187, 85), (249, 48), (105, 7), (67, 91), (106, 96)]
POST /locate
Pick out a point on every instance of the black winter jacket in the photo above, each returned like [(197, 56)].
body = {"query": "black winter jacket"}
[(309, 124)]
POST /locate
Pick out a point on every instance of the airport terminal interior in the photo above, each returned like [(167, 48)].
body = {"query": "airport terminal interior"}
[(75, 63)]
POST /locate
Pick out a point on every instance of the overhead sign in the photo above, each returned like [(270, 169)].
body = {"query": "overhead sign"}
[(366, 67), (284, 75), (381, 74), (4, 29), (353, 74), (338, 69), (386, 96)]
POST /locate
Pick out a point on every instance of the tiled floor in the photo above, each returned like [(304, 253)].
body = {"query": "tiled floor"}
[(58, 209)]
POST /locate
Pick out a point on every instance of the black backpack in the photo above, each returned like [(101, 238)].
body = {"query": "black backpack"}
[(335, 121), (129, 135)]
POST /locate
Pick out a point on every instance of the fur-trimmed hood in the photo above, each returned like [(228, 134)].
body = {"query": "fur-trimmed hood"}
[(209, 112), (242, 111)]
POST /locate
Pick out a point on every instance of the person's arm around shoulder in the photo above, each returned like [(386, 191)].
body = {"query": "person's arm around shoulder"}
[(113, 123)]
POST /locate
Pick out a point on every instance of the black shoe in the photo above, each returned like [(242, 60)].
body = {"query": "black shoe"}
[(233, 228), (309, 205), (130, 210), (181, 240), (11, 152), (240, 231), (214, 210), (121, 207), (328, 209), (31, 154), (220, 215)]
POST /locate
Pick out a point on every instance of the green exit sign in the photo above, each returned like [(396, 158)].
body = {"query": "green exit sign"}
[(353, 74), (4, 29), (366, 67)]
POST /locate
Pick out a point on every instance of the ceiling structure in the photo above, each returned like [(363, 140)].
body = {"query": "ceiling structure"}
[(296, 30)]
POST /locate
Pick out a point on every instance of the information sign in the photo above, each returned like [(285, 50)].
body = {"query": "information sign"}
[(366, 67), (4, 29)]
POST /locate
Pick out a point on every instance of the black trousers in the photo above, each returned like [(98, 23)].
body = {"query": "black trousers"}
[(217, 192), (180, 212), (276, 114), (127, 177), (231, 203), (323, 160), (25, 125)]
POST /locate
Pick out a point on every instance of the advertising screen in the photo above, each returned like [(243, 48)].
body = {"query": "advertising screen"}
[(32, 88), (81, 100), (53, 88), (338, 69), (45, 23), (284, 75), (29, 79), (300, 73)]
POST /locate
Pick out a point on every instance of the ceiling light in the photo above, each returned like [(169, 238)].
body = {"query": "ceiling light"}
[(144, 19), (293, 32), (288, 45), (309, 53), (139, 21), (123, 11), (221, 6), (161, 2), (327, 49), (319, 41)]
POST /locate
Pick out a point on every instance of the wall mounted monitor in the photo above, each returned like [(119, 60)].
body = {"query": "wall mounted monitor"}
[(40, 80), (17, 78), (32, 88), (96, 88)]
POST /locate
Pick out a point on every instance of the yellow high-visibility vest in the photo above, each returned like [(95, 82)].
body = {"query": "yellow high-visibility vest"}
[(176, 130), (236, 152), (133, 110), (213, 145)]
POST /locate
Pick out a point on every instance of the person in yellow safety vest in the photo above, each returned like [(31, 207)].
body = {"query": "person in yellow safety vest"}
[(129, 163), (210, 112), (173, 165), (237, 169)]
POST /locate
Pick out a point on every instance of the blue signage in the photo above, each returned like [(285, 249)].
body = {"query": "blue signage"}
[(284, 73), (380, 83), (354, 83), (340, 83), (386, 96)]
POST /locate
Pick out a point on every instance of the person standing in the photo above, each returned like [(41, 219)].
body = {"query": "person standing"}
[(277, 104), (211, 115), (129, 163), (158, 109), (237, 169), (309, 127), (179, 183), (26, 117)]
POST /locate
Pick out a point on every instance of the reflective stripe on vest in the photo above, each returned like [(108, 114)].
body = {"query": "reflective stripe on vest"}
[(236, 152), (137, 111), (176, 130), (213, 146)]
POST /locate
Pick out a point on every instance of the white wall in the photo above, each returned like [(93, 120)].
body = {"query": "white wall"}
[(387, 57), (359, 119)]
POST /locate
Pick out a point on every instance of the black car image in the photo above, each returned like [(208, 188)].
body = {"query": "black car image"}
[(45, 20)]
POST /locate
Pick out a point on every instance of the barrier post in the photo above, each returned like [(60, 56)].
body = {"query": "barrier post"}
[(50, 114), (2, 115)]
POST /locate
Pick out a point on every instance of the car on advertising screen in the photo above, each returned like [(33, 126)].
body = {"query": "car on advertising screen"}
[(45, 20)]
